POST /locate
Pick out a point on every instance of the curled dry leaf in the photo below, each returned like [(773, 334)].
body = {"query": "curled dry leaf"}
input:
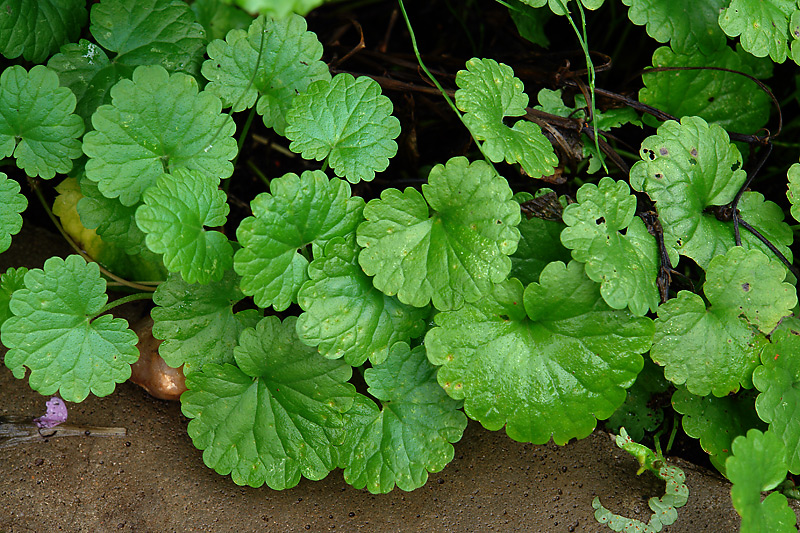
[(151, 372)]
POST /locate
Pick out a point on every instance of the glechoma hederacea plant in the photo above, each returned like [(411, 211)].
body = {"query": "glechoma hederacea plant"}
[(463, 298)]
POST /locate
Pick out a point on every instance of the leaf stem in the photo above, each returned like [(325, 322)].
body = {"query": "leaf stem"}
[(124, 300), (86, 257), (257, 172)]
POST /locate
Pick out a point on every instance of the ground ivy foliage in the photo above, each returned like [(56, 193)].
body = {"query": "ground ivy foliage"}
[(691, 166), (625, 265), (447, 244), (197, 322), (37, 123), (298, 211), (54, 331), (345, 315), (757, 465), (347, 122), (488, 92), (35, 29), (715, 350), (546, 362), (275, 416), (156, 123), (763, 27), (13, 204), (173, 217), (687, 25), (289, 63), (409, 435)]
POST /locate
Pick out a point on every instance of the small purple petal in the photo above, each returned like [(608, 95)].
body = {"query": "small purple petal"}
[(56, 414)]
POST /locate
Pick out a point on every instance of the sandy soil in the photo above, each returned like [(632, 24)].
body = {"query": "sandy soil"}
[(154, 480)]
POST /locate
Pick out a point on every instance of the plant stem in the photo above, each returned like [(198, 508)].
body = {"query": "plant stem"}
[(258, 172), (124, 300), (86, 257)]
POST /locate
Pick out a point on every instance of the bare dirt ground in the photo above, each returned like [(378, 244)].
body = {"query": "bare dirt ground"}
[(154, 480)]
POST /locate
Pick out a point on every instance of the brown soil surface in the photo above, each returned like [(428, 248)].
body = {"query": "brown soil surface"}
[(154, 480)]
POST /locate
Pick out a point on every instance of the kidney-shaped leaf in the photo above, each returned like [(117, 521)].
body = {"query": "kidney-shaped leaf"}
[(54, 332), (763, 26), (298, 211), (349, 122), (452, 255), (410, 435), (156, 123), (276, 416), (547, 370)]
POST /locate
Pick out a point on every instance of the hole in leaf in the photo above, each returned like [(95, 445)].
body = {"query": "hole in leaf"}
[(600, 221), (710, 99), (649, 153), (659, 175)]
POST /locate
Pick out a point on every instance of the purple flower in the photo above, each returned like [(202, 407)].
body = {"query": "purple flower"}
[(56, 414)]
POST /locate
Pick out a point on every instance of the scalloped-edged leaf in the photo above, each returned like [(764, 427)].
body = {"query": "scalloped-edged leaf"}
[(298, 211), (793, 194), (757, 465), (636, 414), (557, 6), (488, 92), (687, 25), (197, 322), (37, 123), (13, 204), (218, 17), (345, 315), (410, 435), (289, 63), (174, 215), (626, 265), (156, 123), (451, 252), (689, 167), (545, 370), (725, 98), (749, 281), (114, 223), (779, 382), (761, 25), (34, 29), (129, 34), (714, 350), (11, 280), (346, 120), (717, 421), (55, 334), (274, 417)]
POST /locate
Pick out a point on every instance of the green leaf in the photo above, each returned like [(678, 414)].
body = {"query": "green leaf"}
[(752, 283), (539, 245), (713, 350), (11, 280), (13, 204), (636, 414), (626, 266), (130, 34), (779, 381), (757, 465), (410, 435), (158, 122), (37, 125), (488, 92), (547, 370), (174, 215), (114, 222), (197, 322), (35, 29), (276, 416), (530, 22), (717, 421), (345, 315), (557, 6), (688, 25), (725, 98), (793, 194), (218, 17), (279, 8), (274, 60), (449, 256), (762, 24), (298, 211), (690, 167), (349, 122), (55, 332)]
